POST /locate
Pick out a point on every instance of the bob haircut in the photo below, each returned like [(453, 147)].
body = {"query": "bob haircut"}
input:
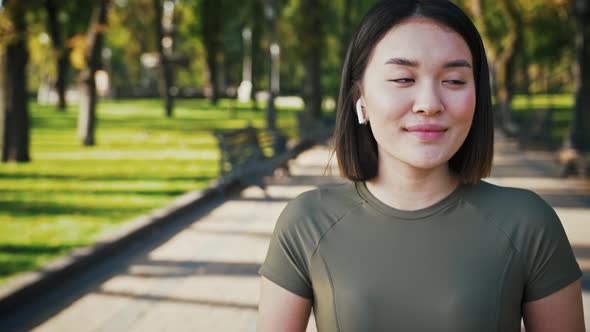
[(355, 145)]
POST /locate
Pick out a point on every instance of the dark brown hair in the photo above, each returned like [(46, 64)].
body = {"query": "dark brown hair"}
[(356, 148)]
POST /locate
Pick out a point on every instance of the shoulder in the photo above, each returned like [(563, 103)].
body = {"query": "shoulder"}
[(520, 213), (326, 199), (314, 212), (499, 200)]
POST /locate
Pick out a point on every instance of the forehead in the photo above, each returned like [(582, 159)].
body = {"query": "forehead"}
[(422, 40)]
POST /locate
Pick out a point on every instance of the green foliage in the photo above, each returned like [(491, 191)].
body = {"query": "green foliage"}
[(131, 32), (189, 43), (73, 17), (72, 195), (546, 49), (547, 46), (549, 33)]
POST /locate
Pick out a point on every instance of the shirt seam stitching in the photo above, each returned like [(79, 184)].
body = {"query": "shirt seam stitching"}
[(332, 226), (333, 292), (493, 221), (501, 290), (360, 204)]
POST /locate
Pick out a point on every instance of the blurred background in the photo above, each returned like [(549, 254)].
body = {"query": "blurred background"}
[(108, 107)]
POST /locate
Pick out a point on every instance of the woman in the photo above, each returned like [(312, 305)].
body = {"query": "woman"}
[(416, 242)]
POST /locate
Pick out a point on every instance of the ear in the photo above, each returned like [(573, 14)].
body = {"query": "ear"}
[(360, 113), (356, 96)]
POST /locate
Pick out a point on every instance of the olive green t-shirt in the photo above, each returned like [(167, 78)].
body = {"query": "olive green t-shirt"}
[(466, 263)]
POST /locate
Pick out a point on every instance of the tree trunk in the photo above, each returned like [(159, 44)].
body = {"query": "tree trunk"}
[(62, 58), (312, 33), (580, 133), (476, 7), (271, 20), (513, 45), (87, 116), (503, 63), (345, 30), (15, 145), (2, 111), (211, 20), (167, 81), (505, 91), (257, 28), (63, 67)]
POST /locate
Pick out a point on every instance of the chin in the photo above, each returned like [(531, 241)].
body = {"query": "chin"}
[(427, 164)]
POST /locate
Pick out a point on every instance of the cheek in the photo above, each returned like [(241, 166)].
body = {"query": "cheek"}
[(464, 106), (383, 103)]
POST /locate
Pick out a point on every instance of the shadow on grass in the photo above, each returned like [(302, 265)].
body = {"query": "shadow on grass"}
[(97, 192), (103, 178), (16, 265), (19, 208), (24, 257), (30, 249)]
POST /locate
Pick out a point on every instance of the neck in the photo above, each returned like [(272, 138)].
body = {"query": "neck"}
[(408, 188)]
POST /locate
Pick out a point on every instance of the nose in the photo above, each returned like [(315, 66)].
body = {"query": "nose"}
[(427, 101)]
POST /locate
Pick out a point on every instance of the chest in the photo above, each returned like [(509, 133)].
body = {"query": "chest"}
[(420, 280)]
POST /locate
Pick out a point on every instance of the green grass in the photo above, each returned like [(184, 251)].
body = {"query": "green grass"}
[(562, 106), (70, 195)]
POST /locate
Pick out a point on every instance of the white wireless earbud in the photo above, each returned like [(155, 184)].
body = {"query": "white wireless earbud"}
[(359, 112)]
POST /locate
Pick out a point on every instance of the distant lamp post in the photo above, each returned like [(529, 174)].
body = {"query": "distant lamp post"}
[(275, 52), (166, 31), (245, 88), (269, 13), (46, 93), (168, 27), (104, 88)]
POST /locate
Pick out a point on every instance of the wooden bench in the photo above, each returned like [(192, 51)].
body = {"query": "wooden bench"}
[(248, 154)]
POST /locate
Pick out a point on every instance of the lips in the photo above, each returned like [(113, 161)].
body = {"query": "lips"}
[(427, 132), (426, 127)]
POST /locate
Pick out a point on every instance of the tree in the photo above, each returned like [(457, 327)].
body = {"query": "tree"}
[(53, 27), (88, 97), (502, 48), (15, 140), (346, 30), (64, 21), (312, 33), (579, 136), (256, 21), (211, 26)]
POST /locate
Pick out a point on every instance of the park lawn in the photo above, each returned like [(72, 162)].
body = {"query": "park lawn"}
[(562, 105), (69, 195)]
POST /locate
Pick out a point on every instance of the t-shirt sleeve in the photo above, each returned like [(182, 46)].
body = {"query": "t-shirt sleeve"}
[(549, 258), (286, 262)]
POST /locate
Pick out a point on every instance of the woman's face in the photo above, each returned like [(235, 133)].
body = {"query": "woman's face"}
[(418, 93)]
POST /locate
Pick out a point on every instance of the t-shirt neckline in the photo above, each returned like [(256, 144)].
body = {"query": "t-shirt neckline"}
[(365, 194)]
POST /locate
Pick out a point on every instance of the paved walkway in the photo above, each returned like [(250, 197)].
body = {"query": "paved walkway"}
[(203, 275)]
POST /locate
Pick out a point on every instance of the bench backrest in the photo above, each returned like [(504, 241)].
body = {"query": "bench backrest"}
[(238, 147)]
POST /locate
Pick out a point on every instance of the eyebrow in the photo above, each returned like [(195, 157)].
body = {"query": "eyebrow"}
[(412, 63)]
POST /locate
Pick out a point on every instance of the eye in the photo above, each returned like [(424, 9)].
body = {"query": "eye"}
[(402, 80), (455, 82)]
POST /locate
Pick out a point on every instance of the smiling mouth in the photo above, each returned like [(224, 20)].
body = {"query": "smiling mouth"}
[(426, 134)]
